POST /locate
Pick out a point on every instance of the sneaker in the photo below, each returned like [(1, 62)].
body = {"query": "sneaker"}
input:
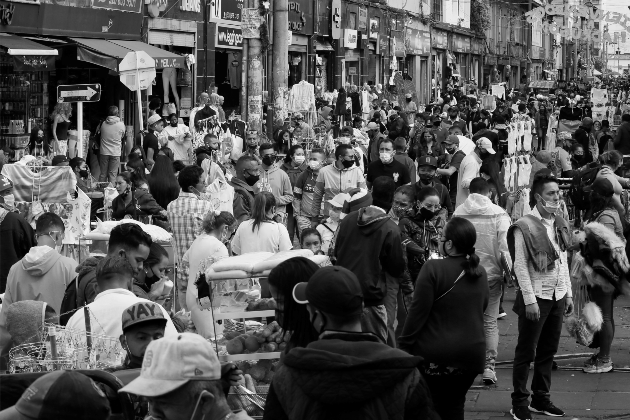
[(489, 377), (501, 315), (599, 366), (591, 360), (521, 413), (546, 408)]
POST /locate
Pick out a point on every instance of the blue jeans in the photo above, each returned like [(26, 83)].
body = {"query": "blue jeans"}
[(490, 326), (374, 320), (109, 168)]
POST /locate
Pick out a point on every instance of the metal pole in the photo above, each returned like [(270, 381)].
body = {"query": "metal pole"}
[(280, 61), (205, 46), (80, 128), (244, 89)]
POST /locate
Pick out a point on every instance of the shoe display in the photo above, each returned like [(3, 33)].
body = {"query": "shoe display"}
[(521, 413), (599, 366), (546, 408), (489, 376)]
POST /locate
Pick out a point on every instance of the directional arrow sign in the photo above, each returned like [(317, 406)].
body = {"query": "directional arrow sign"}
[(79, 93)]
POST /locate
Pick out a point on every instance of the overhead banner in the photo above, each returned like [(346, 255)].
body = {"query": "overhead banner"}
[(418, 42)]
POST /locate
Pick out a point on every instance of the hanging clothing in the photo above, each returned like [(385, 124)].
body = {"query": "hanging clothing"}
[(302, 97), (235, 69), (356, 103)]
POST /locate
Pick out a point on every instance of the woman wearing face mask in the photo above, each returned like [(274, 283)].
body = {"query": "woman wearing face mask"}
[(132, 203), (294, 164), (38, 144), (208, 247), (292, 317), (284, 141), (429, 146), (445, 321), (420, 228), (150, 284)]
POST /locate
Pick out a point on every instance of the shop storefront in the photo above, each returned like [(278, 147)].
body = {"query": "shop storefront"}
[(439, 44), (301, 27), (476, 50), (377, 46), (461, 51), (323, 50), (418, 43), (225, 52), (175, 29)]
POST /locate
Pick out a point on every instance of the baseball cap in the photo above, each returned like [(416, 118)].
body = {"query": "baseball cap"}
[(428, 161), (603, 187), (333, 290), (173, 361), (141, 312), (384, 101), (59, 159), (153, 119), (5, 183), (54, 396), (452, 139), (485, 143), (357, 201), (372, 126), (339, 199), (408, 96)]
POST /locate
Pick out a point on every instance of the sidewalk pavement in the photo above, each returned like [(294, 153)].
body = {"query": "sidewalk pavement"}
[(580, 395)]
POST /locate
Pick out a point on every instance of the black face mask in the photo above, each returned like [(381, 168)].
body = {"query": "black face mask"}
[(251, 179), (347, 163), (426, 179), (83, 173), (426, 213), (268, 160)]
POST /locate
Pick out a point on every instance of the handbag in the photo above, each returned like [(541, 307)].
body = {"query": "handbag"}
[(453, 286), (96, 139)]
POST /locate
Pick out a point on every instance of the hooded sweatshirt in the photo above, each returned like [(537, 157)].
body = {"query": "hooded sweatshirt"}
[(369, 244), (112, 131), (332, 181), (348, 371), (42, 275), (277, 182), (492, 224)]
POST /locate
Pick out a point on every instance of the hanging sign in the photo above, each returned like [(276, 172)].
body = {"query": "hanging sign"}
[(228, 37), (227, 9), (439, 39), (336, 19), (363, 17), (418, 42), (351, 38), (250, 23), (374, 28)]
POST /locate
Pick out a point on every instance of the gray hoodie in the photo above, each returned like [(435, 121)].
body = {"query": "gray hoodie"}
[(112, 131), (42, 275)]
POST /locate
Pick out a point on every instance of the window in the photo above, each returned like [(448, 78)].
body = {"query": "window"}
[(352, 20), (437, 10)]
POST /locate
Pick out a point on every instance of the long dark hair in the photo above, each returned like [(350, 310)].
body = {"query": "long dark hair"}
[(156, 253), (32, 144), (491, 168), (291, 152), (296, 320), (263, 203), (138, 176), (163, 184), (462, 232), (598, 203)]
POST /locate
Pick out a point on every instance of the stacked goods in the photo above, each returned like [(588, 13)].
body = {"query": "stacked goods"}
[(263, 304), (260, 371), (267, 340)]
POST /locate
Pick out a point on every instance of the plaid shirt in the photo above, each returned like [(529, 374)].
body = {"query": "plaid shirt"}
[(185, 215)]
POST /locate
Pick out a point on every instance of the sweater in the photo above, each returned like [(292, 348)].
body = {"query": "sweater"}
[(42, 275), (112, 132), (277, 182), (332, 181), (16, 237), (449, 331), (369, 244)]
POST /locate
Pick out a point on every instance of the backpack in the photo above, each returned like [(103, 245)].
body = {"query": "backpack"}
[(70, 302), (584, 178), (96, 138)]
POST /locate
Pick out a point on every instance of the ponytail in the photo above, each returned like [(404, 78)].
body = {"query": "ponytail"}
[(462, 232), (471, 266), (263, 203)]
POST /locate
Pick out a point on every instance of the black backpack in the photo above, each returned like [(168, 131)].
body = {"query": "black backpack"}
[(584, 178), (70, 302)]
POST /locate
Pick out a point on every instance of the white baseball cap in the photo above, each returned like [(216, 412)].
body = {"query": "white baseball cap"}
[(171, 362), (339, 199), (485, 143), (153, 119)]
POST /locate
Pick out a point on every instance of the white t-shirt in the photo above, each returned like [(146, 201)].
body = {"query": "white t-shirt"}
[(106, 314), (268, 237), (179, 146)]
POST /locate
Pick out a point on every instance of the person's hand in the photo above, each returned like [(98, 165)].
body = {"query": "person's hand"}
[(568, 308), (157, 288), (231, 374), (532, 312), (164, 213)]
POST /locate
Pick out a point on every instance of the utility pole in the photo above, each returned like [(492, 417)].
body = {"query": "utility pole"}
[(280, 61), (254, 81)]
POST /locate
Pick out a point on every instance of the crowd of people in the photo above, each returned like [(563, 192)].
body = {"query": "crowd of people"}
[(409, 206)]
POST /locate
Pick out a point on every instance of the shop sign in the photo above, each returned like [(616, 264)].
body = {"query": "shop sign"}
[(374, 28), (34, 63), (535, 52), (418, 42), (475, 46), (461, 44), (190, 6), (228, 37), (352, 71), (363, 17), (6, 13), (439, 39), (250, 24), (227, 9), (383, 45), (336, 19), (122, 5), (301, 16), (491, 60), (350, 38), (398, 43)]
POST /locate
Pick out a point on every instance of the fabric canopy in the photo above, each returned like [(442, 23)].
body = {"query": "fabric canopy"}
[(15, 45), (322, 45), (162, 57)]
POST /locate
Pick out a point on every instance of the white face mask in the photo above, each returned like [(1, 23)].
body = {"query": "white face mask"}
[(550, 207), (9, 201), (314, 165), (299, 159), (334, 215), (385, 157)]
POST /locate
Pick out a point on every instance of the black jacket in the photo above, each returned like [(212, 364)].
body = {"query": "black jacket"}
[(16, 238)]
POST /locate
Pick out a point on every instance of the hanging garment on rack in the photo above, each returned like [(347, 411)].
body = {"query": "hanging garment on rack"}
[(340, 108), (527, 137), (356, 103), (507, 173), (302, 97), (235, 69), (512, 136), (365, 104), (498, 91), (489, 102)]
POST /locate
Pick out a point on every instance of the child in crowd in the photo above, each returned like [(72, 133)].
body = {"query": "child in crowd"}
[(328, 227)]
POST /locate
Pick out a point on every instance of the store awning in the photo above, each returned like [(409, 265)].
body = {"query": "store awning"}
[(321, 45), (15, 45), (543, 84), (109, 54)]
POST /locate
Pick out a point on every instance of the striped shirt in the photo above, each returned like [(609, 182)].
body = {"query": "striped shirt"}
[(550, 284)]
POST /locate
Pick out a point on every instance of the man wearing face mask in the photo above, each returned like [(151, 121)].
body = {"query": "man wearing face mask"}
[(80, 169), (440, 132), (375, 134), (427, 167), (334, 301), (247, 175), (274, 180), (43, 273), (450, 169), (387, 166), (16, 235), (469, 168), (252, 143), (538, 243), (304, 189)]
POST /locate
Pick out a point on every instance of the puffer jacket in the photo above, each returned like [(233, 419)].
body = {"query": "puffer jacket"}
[(348, 376), (492, 224), (420, 237)]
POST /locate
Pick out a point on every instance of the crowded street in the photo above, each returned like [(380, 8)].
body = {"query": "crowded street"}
[(314, 210)]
